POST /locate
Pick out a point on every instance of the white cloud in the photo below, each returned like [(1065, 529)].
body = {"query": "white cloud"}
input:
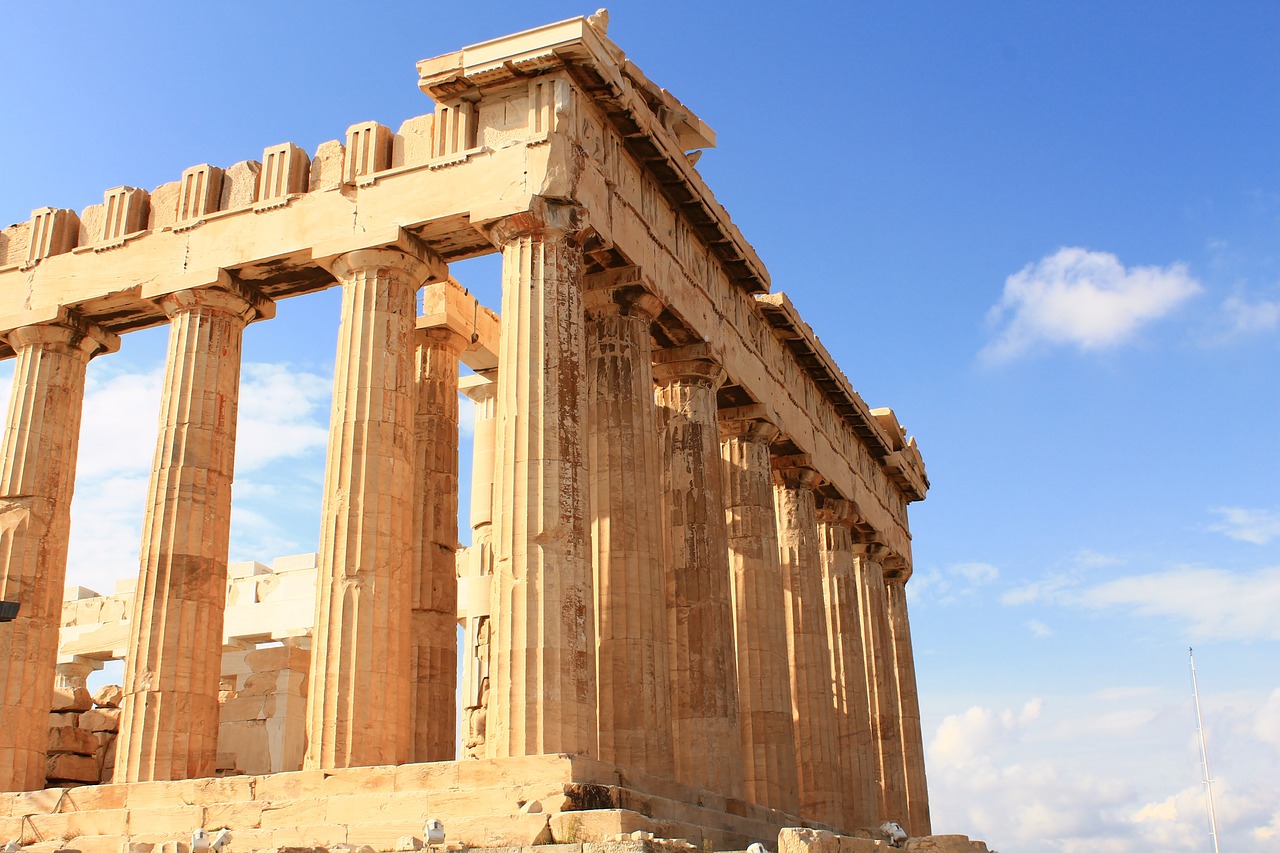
[(1214, 603), (1066, 776), (957, 581), (1084, 299), (1039, 629), (1246, 318), (1258, 526), (284, 414)]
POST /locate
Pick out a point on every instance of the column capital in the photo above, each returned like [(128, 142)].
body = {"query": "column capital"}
[(897, 570), (870, 550), (227, 294), (692, 364), (391, 248), (479, 387), (796, 472), (67, 329), (836, 511), (624, 300), (757, 430), (442, 338), (543, 218)]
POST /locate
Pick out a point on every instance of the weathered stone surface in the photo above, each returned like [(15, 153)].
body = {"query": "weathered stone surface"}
[(72, 740), (109, 696), (71, 768), (100, 720)]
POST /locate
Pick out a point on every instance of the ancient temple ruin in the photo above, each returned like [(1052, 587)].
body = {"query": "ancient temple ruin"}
[(684, 603)]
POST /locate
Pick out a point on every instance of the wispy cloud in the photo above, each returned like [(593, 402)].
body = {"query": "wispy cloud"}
[(1083, 299), (1258, 526), (1246, 318), (951, 584), (1039, 629)]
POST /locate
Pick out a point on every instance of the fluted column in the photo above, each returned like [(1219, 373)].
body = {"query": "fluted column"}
[(476, 576), (848, 665), (542, 696), (760, 624), (169, 718), (704, 695), (37, 473), (918, 820), (882, 681), (358, 698), (626, 526), (434, 575), (817, 755)]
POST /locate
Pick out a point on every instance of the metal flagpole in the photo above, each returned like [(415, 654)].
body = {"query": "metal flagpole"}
[(1204, 752)]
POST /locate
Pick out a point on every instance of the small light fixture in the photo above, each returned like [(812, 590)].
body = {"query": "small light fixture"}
[(8, 611)]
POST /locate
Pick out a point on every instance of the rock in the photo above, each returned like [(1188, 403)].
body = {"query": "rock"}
[(408, 842), (65, 767), (105, 719), (72, 740), (109, 696), (72, 699)]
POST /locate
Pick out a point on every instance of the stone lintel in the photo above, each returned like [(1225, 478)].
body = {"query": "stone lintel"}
[(447, 304)]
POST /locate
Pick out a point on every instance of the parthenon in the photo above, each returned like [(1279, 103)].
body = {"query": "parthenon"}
[(683, 607)]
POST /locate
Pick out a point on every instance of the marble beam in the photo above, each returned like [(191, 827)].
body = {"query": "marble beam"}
[(169, 719), (37, 475)]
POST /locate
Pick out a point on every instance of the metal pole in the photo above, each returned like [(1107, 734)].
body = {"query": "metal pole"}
[(1204, 752)]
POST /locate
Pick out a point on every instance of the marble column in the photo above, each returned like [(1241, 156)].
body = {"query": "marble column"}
[(169, 717), (434, 644), (37, 474), (918, 820), (358, 698), (882, 681), (475, 577), (626, 525), (542, 695), (760, 624), (704, 681), (817, 754), (848, 665)]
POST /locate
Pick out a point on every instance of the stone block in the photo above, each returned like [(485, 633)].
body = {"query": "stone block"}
[(158, 795), (293, 813), (71, 824), (65, 718), (804, 840), (68, 767), (93, 797), (100, 720), (71, 699), (72, 740), (164, 205), (174, 819), (109, 696), (239, 189), (521, 830), (598, 825), (308, 836), (939, 844), (431, 776), (851, 844), (96, 843)]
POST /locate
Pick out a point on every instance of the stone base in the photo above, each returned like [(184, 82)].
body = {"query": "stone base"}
[(514, 802)]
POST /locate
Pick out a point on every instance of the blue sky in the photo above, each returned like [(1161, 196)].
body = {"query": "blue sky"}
[(1047, 234)]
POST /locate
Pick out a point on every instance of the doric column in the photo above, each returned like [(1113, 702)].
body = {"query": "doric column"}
[(475, 578), (882, 681), (37, 473), (542, 695), (848, 665), (817, 755), (169, 719), (358, 698), (434, 573), (764, 680), (704, 682), (626, 525), (918, 821)]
